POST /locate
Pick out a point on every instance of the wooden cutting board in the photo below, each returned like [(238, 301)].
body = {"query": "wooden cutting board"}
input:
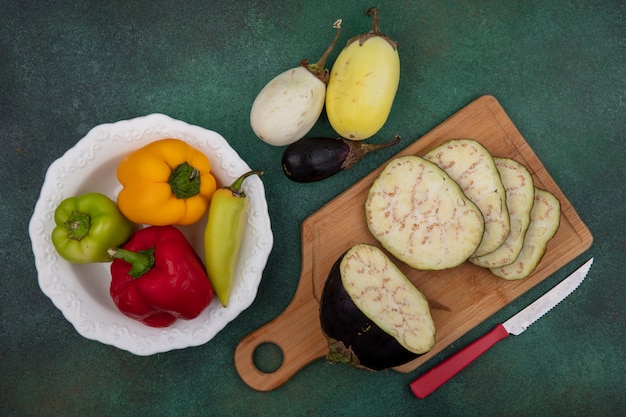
[(460, 298)]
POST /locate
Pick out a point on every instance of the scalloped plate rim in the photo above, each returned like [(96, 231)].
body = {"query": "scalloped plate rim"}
[(125, 333)]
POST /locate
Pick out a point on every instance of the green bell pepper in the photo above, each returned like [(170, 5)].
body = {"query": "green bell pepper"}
[(87, 226)]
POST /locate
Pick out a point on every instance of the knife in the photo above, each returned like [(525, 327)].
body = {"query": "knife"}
[(441, 373)]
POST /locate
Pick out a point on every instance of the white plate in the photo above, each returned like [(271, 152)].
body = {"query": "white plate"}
[(81, 292)]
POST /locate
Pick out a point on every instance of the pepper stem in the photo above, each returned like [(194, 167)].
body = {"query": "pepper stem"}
[(78, 225), (318, 69), (141, 261), (184, 181), (235, 187)]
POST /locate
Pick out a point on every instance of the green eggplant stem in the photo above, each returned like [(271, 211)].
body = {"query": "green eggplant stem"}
[(78, 225), (318, 69), (235, 187), (141, 261)]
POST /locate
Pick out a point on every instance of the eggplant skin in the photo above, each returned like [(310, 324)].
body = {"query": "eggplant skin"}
[(314, 159), (352, 337)]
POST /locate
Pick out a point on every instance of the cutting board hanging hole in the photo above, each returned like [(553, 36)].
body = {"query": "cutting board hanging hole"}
[(268, 357)]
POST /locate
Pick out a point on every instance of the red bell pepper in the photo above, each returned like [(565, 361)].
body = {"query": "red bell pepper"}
[(158, 278)]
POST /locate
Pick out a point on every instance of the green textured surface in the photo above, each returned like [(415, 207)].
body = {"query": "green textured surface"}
[(557, 68)]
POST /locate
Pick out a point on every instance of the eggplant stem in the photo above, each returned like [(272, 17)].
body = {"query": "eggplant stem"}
[(373, 11), (359, 149), (375, 32), (317, 68), (371, 147)]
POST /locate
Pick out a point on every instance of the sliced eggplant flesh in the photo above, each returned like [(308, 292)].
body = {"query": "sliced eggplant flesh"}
[(520, 192), (471, 165), (371, 314), (421, 215), (545, 219)]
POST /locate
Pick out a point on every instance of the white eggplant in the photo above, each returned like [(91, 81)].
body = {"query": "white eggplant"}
[(289, 105)]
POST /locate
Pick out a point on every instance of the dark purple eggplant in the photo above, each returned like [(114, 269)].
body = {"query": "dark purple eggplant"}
[(373, 317), (315, 159)]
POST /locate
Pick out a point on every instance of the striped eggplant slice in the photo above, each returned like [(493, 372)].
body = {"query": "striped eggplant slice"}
[(371, 314), (545, 218), (520, 193), (421, 216), (471, 165)]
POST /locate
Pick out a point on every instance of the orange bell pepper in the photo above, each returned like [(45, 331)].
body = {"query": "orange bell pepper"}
[(167, 182)]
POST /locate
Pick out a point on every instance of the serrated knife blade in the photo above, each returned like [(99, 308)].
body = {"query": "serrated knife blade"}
[(441, 373)]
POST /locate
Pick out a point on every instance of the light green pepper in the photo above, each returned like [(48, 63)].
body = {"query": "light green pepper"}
[(87, 226), (223, 234)]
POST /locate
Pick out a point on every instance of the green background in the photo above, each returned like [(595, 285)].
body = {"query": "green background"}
[(556, 67)]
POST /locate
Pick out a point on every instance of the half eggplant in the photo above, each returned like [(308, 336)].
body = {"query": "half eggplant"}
[(372, 316)]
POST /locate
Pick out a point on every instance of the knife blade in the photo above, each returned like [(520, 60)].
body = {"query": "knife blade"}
[(443, 372)]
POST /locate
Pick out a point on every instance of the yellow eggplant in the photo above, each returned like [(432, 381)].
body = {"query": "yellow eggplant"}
[(363, 84)]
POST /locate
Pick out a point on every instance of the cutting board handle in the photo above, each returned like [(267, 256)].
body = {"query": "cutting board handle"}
[(296, 331)]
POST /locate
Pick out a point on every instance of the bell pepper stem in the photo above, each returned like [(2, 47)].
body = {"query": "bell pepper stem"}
[(184, 181), (78, 225), (235, 187), (141, 261)]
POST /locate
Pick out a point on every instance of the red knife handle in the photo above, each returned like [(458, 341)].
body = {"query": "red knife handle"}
[(441, 373)]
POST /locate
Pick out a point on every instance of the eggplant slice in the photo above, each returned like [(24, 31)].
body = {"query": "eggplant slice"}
[(520, 193), (545, 218), (471, 165), (421, 216)]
